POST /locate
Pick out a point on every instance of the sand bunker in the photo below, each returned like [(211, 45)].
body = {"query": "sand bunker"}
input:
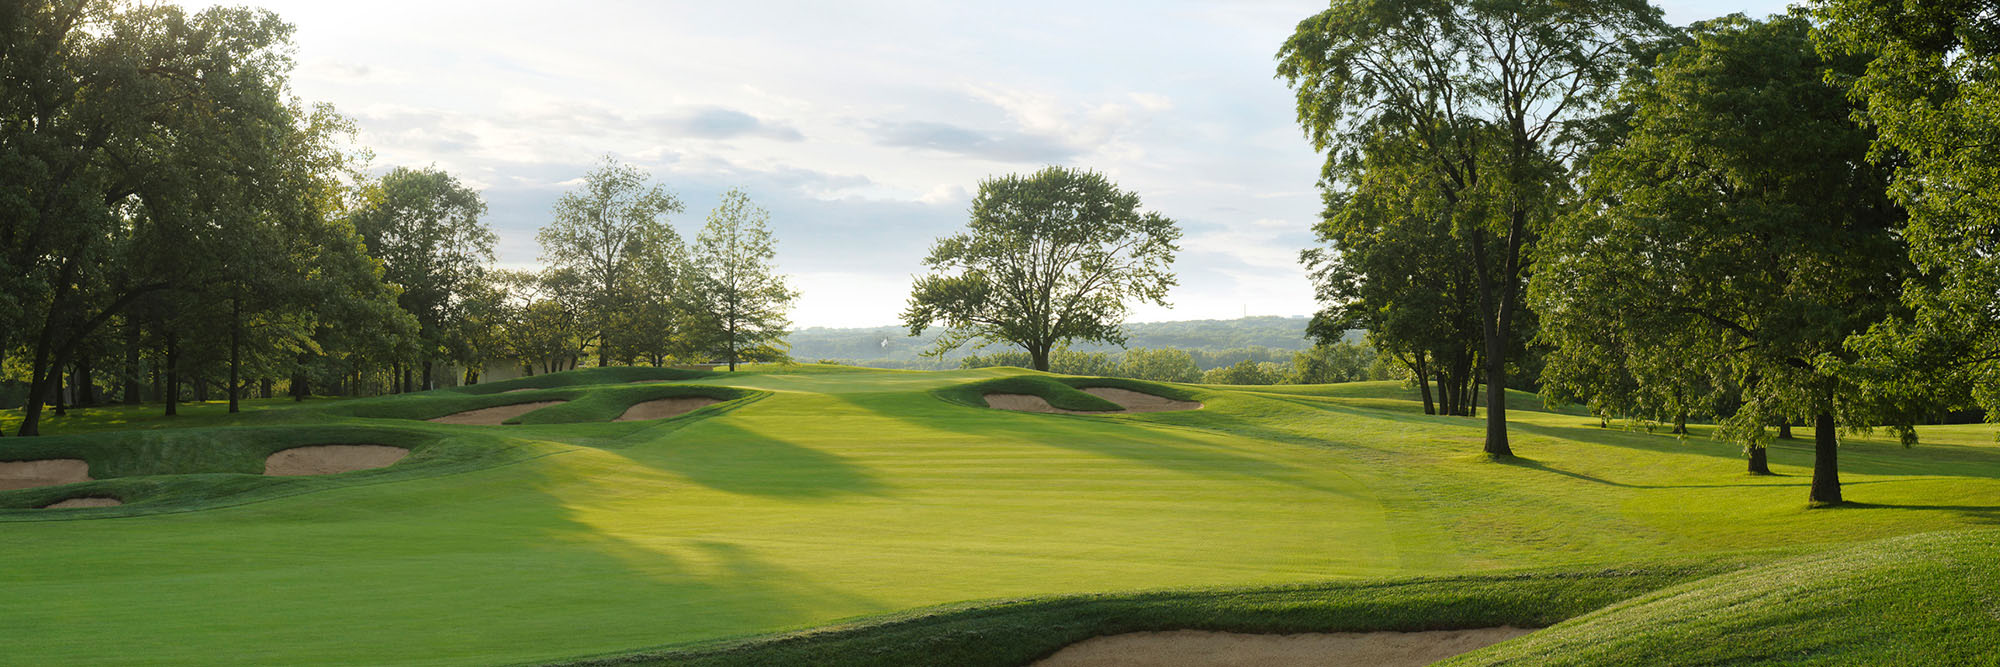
[(1131, 401), (45, 472), (1141, 402), (493, 416), (663, 408), (86, 501), (330, 459), (1190, 648)]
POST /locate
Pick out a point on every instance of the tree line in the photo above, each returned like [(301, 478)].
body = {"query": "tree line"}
[(1325, 363), (175, 224), (1764, 222)]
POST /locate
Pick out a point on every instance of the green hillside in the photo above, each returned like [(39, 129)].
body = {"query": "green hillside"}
[(816, 495)]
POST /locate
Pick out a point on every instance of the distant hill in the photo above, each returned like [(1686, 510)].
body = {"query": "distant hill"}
[(892, 347)]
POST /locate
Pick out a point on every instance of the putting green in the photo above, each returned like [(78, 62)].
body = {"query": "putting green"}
[(823, 494)]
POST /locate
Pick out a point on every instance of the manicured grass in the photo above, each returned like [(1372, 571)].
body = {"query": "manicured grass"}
[(1931, 599), (825, 495), (1016, 632)]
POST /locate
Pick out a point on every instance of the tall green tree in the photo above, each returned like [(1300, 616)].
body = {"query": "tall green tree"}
[(1489, 95), (738, 300), (1740, 230), (424, 225), (1931, 91), (1048, 258), (605, 232), (97, 93)]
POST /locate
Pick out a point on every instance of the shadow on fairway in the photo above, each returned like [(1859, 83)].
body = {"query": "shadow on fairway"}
[(1140, 438), (724, 456)]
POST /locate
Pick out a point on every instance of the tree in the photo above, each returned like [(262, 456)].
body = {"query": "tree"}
[(1161, 365), (739, 300), (602, 233), (424, 225), (105, 104), (1738, 231), (1391, 266), (1930, 89), (1246, 372), (1488, 94), (1049, 258)]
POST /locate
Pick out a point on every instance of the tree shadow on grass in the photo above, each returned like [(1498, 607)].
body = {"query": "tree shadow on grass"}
[(728, 457), (1139, 438), (1986, 514), (1531, 464)]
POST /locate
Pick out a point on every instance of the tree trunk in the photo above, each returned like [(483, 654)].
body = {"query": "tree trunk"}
[(1826, 463), (1681, 424), (200, 387), (86, 388), (1785, 429), (132, 370), (1447, 393), (235, 350), (1424, 383), (173, 393), (62, 407), (427, 375), (264, 388), (1758, 465), (604, 350), (1038, 356)]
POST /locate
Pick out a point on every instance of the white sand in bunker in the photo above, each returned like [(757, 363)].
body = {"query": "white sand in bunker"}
[(331, 459), (1131, 401), (493, 416), (662, 408), (85, 501), (1194, 648), (44, 472)]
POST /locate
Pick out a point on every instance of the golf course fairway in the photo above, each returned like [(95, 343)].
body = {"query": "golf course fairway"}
[(813, 495)]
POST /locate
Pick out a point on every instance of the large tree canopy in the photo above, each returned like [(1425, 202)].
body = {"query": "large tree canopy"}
[(1931, 90), (1488, 96), (739, 299), (606, 232), (1055, 256), (424, 225), (1737, 237)]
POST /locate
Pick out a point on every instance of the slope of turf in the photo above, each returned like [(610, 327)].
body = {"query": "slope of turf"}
[(1931, 599), (825, 494), (1017, 632)]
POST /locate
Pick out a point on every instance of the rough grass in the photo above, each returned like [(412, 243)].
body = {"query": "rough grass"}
[(827, 495), (1931, 599), (1017, 632)]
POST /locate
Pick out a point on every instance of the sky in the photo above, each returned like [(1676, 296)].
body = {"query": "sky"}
[(864, 126)]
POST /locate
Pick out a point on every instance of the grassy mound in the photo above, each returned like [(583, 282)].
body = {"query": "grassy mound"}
[(1930, 599), (1017, 632), (582, 402), (585, 376), (1060, 391), (176, 470), (824, 495)]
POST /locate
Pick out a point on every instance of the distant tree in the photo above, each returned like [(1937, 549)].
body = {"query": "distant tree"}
[(424, 225), (1094, 364), (1247, 373), (1487, 97), (1161, 365), (1326, 363), (1737, 231), (1048, 258), (738, 300), (603, 233)]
